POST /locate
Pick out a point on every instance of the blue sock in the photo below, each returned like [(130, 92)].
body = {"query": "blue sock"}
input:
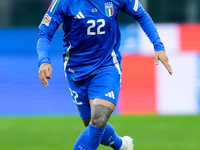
[(110, 137), (89, 139)]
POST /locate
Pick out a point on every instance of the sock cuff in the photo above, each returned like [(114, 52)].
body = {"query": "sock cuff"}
[(97, 131)]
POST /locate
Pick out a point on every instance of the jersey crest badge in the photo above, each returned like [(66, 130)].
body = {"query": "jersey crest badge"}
[(109, 9), (46, 20)]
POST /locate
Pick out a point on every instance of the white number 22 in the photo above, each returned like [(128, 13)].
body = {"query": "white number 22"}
[(93, 24)]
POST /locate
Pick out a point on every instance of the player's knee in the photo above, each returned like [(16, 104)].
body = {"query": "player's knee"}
[(100, 115), (99, 122)]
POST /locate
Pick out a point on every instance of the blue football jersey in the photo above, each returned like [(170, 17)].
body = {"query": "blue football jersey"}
[(92, 36)]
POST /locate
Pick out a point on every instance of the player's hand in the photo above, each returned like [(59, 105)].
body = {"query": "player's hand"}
[(45, 73), (162, 56)]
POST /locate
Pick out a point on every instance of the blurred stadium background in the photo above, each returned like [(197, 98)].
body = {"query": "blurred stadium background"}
[(146, 89)]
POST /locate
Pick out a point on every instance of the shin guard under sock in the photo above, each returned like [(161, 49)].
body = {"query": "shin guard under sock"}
[(89, 139)]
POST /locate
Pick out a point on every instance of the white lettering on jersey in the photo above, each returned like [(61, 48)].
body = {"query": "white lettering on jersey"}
[(93, 24), (74, 94), (100, 26)]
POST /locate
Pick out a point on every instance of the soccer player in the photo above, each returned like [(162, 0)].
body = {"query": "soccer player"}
[(92, 61)]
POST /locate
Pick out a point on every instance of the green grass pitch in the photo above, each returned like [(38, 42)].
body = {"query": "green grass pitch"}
[(150, 132)]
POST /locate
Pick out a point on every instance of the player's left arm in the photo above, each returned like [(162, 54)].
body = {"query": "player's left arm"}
[(135, 9)]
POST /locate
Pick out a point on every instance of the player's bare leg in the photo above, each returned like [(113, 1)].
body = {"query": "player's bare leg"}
[(99, 131), (86, 121), (101, 111), (98, 102), (90, 138)]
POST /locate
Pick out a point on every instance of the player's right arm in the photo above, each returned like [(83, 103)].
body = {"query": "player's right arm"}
[(45, 73), (50, 23)]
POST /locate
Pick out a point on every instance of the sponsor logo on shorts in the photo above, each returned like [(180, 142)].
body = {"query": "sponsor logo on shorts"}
[(110, 94)]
